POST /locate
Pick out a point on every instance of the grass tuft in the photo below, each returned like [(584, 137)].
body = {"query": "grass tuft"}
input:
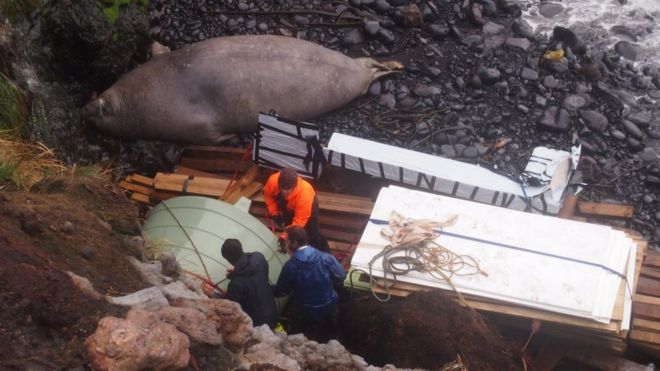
[(25, 164), (12, 8), (111, 7), (14, 110)]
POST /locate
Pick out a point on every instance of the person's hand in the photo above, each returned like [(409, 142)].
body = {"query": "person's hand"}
[(208, 289), (222, 291), (282, 245), (230, 270)]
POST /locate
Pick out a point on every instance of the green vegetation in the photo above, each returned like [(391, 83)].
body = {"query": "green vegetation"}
[(12, 8), (25, 164), (13, 107), (6, 172), (91, 171), (111, 7)]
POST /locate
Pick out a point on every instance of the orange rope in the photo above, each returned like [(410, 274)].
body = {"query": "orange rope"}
[(246, 156)]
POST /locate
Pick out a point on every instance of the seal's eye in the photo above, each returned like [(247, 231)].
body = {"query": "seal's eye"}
[(101, 104)]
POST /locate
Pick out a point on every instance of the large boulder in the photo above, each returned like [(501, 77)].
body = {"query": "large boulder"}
[(192, 323), (230, 320), (141, 341)]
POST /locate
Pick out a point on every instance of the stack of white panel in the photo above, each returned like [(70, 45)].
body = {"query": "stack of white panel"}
[(542, 262)]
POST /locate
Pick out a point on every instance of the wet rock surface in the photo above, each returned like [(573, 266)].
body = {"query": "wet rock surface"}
[(476, 65), (473, 65)]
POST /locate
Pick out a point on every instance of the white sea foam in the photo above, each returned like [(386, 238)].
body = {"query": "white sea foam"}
[(597, 17)]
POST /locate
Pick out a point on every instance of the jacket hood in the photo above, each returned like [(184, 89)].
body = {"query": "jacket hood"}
[(307, 255), (245, 266)]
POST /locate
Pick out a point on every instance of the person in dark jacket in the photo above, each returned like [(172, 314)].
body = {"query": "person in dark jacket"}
[(311, 275), (249, 284)]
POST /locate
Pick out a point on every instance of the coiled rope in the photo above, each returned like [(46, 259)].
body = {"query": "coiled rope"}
[(413, 248)]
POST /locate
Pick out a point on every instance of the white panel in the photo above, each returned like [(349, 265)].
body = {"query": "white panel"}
[(529, 278), (447, 172)]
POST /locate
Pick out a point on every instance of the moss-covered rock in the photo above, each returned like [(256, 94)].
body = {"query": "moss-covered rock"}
[(87, 46)]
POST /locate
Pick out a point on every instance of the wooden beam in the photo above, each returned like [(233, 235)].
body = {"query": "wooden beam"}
[(568, 207), (602, 209), (133, 187), (140, 179)]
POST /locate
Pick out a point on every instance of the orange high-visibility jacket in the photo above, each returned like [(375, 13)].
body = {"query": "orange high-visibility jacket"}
[(299, 201)]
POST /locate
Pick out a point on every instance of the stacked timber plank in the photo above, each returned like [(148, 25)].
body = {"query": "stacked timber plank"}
[(645, 332), (567, 274), (167, 185), (225, 174)]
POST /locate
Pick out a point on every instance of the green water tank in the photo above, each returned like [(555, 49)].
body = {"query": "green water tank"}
[(193, 229)]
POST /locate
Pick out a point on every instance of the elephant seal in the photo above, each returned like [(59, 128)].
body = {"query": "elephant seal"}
[(202, 92)]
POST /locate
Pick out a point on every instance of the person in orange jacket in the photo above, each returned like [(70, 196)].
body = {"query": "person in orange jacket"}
[(291, 200)]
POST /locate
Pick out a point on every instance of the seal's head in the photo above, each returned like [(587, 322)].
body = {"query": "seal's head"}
[(102, 112)]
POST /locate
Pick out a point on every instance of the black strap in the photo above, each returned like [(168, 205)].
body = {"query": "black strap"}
[(314, 155)]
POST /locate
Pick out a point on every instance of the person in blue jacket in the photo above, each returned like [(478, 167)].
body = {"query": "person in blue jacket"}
[(311, 275)]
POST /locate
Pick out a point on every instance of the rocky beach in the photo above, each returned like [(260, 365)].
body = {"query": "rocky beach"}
[(479, 84)]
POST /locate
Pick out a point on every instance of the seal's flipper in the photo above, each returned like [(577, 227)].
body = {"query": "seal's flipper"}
[(158, 49), (382, 68)]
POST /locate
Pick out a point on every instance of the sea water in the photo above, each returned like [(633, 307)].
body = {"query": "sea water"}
[(602, 23)]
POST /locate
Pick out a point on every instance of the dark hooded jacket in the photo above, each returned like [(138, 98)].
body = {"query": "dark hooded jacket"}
[(311, 275), (250, 288)]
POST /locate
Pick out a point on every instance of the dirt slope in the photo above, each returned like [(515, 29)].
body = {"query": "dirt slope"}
[(77, 225)]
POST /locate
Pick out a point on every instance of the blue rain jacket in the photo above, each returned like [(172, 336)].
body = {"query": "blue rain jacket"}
[(311, 274)]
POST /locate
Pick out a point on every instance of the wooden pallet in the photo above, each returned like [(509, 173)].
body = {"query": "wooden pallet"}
[(215, 159), (605, 336), (645, 332)]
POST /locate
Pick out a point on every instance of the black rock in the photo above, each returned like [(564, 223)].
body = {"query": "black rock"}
[(470, 152), (616, 134), (475, 14), (489, 6), (626, 50), (565, 35), (634, 144), (595, 121), (550, 81), (371, 27), (448, 150), (528, 73), (574, 102), (489, 76), (522, 108), (491, 28), (383, 5), (554, 66), (540, 100), (512, 7), (554, 119), (522, 28), (632, 129), (375, 88), (387, 100), (475, 82), (439, 29), (654, 129), (517, 42), (386, 35), (592, 72), (473, 40), (642, 119), (624, 30), (353, 37), (550, 10), (455, 31)]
